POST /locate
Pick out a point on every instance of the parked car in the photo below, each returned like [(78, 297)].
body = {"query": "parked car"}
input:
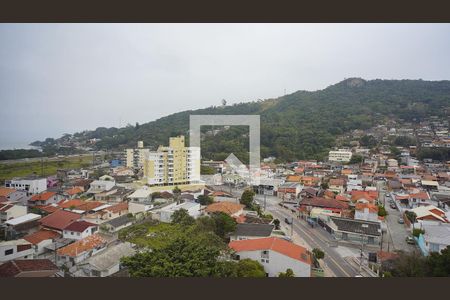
[(388, 194), (287, 238), (393, 206), (401, 221), (288, 221), (410, 240)]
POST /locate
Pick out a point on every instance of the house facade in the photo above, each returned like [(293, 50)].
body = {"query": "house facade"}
[(275, 254), (15, 249), (31, 186)]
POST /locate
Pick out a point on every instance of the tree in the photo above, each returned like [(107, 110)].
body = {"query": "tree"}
[(288, 273), (411, 216), (382, 211), (408, 265), (276, 222), (224, 224), (156, 195), (205, 199), (356, 159), (324, 185), (319, 254), (417, 232), (176, 194), (250, 268), (247, 198), (368, 141), (182, 217), (439, 263), (184, 257)]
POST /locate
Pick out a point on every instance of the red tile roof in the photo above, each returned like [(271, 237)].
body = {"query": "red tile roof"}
[(118, 207), (43, 196), (5, 207), (70, 203), (323, 202), (48, 208), (15, 267), (226, 207), (89, 205), (59, 219), (362, 206), (338, 182), (341, 198), (368, 195), (41, 235), (81, 246), (5, 192), (79, 226), (275, 244), (73, 191)]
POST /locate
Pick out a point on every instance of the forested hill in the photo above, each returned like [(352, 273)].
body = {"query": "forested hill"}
[(299, 125)]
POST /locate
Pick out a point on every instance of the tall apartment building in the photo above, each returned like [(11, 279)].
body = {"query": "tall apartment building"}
[(341, 155), (136, 156), (173, 165)]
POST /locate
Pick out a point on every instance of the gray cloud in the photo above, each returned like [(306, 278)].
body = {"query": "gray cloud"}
[(57, 78)]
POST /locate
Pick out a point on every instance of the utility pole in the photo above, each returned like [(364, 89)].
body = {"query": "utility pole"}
[(361, 258), (42, 167), (292, 226), (265, 199)]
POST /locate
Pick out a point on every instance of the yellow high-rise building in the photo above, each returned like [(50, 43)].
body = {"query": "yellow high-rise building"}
[(173, 165)]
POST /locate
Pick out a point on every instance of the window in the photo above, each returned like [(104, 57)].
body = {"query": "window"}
[(9, 251), (71, 233)]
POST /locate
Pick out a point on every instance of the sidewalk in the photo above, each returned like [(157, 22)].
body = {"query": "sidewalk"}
[(299, 241)]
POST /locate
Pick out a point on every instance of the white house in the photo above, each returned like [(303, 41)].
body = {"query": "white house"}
[(436, 237), (116, 224), (366, 212), (79, 229), (10, 211), (141, 195), (106, 262), (139, 207), (354, 183), (192, 208), (75, 253), (15, 249), (341, 155), (31, 186), (276, 255), (245, 231), (41, 239), (105, 183), (12, 195)]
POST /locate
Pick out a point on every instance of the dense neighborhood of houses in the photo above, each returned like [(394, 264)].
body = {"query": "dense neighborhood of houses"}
[(68, 224)]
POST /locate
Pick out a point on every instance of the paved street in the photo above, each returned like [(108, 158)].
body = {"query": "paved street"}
[(315, 237), (396, 232)]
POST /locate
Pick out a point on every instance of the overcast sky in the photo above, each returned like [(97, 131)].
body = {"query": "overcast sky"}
[(58, 78)]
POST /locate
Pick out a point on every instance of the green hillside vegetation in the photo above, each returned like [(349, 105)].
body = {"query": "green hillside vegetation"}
[(302, 125)]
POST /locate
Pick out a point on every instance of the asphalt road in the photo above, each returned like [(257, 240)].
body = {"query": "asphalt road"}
[(397, 233), (316, 237)]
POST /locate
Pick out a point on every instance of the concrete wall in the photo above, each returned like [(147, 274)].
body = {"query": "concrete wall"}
[(278, 263)]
